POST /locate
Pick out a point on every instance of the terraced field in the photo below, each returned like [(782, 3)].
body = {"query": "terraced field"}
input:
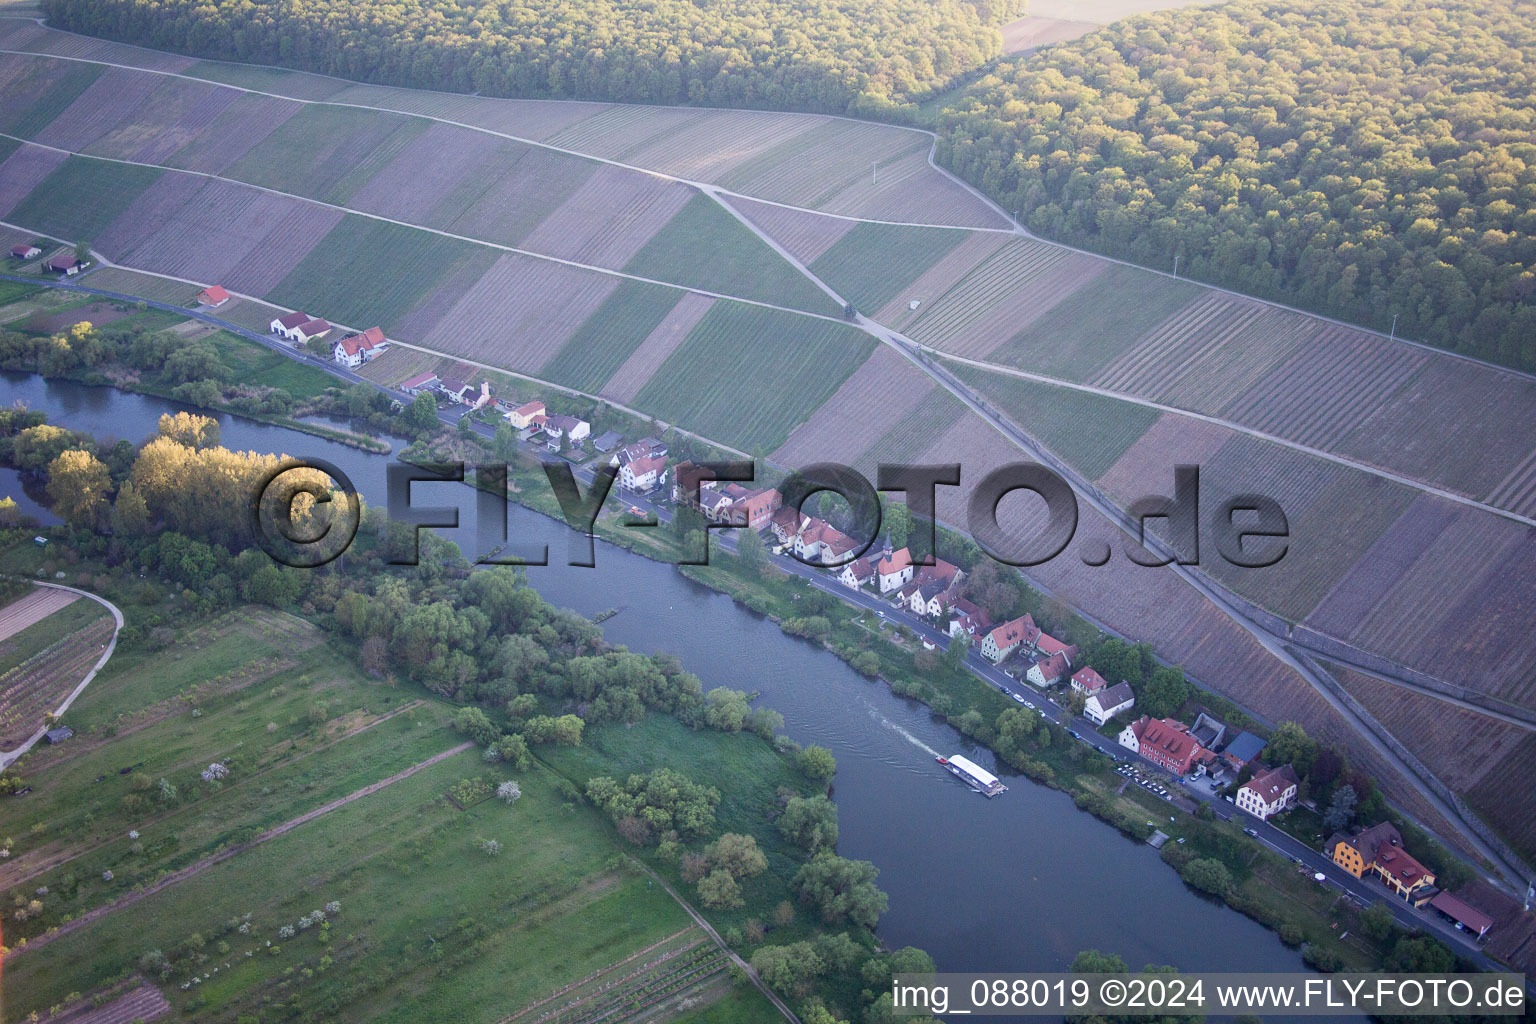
[(37, 91), (748, 375), (874, 400), (56, 207), (325, 152), (705, 247), (872, 263)]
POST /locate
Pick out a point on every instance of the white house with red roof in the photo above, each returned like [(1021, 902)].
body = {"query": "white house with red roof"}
[(1269, 792), (857, 573), (213, 295), (1086, 681), (894, 570), (25, 251), (967, 619), (997, 645), (643, 474), (1164, 742), (1051, 668), (356, 349)]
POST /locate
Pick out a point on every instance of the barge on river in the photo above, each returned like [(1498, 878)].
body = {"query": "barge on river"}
[(973, 775)]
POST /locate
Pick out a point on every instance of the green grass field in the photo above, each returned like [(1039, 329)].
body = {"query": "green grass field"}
[(705, 247), (609, 336), (1088, 431), (18, 647), (1091, 327), (871, 264), (82, 196), (256, 364), (748, 375), (15, 291), (64, 86), (327, 153), (368, 272)]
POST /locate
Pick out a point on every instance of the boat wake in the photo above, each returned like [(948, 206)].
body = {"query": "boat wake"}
[(903, 733)]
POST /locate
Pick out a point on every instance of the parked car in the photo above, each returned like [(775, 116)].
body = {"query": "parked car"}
[(1250, 832)]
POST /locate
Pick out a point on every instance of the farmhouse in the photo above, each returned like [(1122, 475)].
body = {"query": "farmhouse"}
[(1107, 702), (213, 295), (1087, 681), (894, 570), (521, 418), (573, 429), (1162, 741), (288, 321), (357, 349), (999, 644), (454, 390), (65, 264), (642, 474), (1379, 851), (1268, 793), (419, 383), (1051, 668), (856, 573), (316, 328), (26, 251), (967, 619)]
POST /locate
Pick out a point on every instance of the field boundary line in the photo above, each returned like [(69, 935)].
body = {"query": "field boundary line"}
[(1121, 396), (205, 863), (9, 756), (347, 210), (1017, 229), (599, 973)]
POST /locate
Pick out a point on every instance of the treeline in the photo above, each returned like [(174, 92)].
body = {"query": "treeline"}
[(1363, 159), (863, 56)]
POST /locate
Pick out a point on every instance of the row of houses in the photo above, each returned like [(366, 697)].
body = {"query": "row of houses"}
[(300, 328)]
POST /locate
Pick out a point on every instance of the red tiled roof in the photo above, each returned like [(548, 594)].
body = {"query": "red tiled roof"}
[(642, 467), (1401, 865), (372, 338), (1167, 735), (213, 295), (63, 261), (1268, 786), (1088, 679), (526, 409), (939, 570), (288, 321), (1050, 645), (1461, 911), (1054, 667), (895, 562), (1015, 631), (418, 381)]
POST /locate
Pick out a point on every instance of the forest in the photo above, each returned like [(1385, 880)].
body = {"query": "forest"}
[(859, 57), (1364, 159)]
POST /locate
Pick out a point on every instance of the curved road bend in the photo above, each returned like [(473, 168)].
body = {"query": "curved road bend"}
[(9, 756)]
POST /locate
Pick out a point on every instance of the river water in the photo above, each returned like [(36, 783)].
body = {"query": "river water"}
[(1021, 882)]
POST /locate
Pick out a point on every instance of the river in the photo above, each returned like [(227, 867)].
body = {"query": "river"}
[(1022, 882)]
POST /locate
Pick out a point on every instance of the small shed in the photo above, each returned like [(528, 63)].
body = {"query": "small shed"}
[(213, 295), (59, 735), (26, 251)]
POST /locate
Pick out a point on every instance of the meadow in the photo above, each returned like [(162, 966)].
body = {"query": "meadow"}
[(747, 375)]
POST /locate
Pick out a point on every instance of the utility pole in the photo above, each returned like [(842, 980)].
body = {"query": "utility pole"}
[(1175, 266), (874, 172), (1394, 327)]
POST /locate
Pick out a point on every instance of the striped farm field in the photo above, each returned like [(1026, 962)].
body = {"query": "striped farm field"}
[(520, 312), (939, 278), (1335, 514), (610, 335), (1338, 381), (434, 307), (874, 400), (297, 84), (1170, 441), (58, 206), (25, 35), (1017, 283), (1092, 327), (173, 114), (804, 235), (1090, 432), (617, 128), (1455, 742), (929, 417), (870, 264), (1426, 432), (610, 218), (656, 347), (705, 247), (711, 144), (366, 272), (326, 153), (1462, 611), (399, 363), (23, 169), (505, 197), (242, 126), (748, 376), (1517, 491), (115, 95), (525, 119), (1210, 351), (423, 172), (814, 166), (1506, 800), (907, 189), (160, 289), (216, 231), (37, 91)]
